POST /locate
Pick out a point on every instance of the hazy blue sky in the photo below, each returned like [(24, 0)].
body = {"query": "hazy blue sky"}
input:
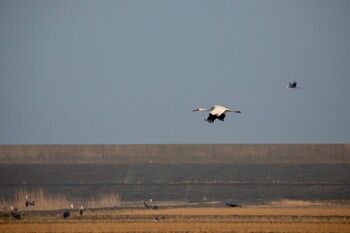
[(133, 71)]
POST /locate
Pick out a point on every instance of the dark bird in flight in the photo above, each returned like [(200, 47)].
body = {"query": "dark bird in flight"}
[(292, 85)]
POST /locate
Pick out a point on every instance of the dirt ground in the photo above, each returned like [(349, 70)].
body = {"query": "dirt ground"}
[(171, 218)]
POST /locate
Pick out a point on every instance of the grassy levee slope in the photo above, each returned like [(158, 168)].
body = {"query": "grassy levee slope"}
[(177, 153)]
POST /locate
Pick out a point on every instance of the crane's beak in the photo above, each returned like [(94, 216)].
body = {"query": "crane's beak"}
[(235, 111)]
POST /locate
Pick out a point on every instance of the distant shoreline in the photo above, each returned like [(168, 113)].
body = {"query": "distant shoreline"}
[(176, 153)]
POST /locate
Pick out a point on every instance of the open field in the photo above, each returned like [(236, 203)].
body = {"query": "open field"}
[(267, 218), (282, 188)]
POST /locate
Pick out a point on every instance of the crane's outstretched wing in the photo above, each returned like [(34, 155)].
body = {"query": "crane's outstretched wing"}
[(211, 118), (222, 117)]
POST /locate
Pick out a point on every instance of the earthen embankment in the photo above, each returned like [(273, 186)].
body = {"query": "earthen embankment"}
[(176, 153)]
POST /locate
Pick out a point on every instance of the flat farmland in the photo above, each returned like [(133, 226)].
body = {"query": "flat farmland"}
[(169, 219)]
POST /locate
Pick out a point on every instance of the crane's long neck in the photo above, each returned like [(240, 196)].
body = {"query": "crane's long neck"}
[(201, 110)]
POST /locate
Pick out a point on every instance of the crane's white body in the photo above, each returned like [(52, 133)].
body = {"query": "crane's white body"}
[(216, 112)]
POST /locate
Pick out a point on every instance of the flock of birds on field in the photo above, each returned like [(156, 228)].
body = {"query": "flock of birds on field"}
[(17, 215), (219, 112), (66, 214)]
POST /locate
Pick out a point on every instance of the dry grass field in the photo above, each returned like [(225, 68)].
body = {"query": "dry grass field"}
[(289, 218)]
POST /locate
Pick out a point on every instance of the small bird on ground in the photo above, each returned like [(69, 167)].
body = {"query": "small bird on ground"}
[(150, 206), (81, 212), (28, 202), (14, 213), (67, 213), (232, 205), (159, 218)]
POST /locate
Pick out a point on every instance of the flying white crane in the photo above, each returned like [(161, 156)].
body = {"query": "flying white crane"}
[(216, 112)]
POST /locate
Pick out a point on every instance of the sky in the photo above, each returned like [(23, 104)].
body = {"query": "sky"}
[(131, 72)]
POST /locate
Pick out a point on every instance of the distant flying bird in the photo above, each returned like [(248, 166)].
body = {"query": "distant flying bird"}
[(216, 112), (28, 202), (14, 213), (292, 85), (67, 213), (232, 205)]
